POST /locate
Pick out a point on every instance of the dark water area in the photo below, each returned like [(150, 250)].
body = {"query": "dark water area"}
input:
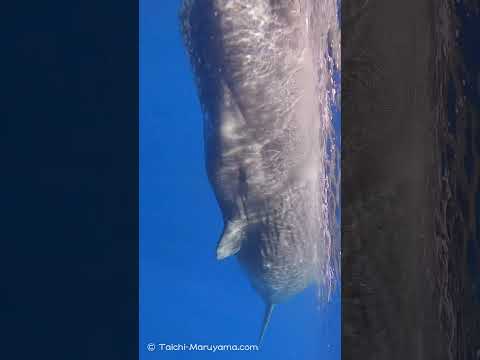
[(462, 181), (410, 180), (468, 302)]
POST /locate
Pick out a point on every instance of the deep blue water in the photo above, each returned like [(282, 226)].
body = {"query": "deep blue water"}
[(186, 295), (468, 41)]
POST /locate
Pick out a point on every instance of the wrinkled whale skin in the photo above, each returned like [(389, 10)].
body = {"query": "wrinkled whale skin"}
[(256, 81)]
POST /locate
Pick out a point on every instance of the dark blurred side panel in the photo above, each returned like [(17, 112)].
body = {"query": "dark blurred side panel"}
[(410, 180), (69, 180)]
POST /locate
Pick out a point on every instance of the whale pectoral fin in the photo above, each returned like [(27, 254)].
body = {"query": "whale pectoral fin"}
[(231, 240), (266, 320)]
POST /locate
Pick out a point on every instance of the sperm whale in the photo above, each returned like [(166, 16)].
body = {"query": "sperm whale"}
[(262, 73)]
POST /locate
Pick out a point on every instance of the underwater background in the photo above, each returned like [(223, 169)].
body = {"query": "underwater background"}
[(186, 295)]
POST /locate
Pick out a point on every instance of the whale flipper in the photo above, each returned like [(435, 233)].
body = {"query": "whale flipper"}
[(231, 240), (266, 320)]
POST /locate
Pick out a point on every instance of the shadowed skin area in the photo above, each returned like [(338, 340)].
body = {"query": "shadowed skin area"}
[(407, 208), (264, 132)]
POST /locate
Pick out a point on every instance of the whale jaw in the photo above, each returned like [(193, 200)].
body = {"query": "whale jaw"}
[(266, 321)]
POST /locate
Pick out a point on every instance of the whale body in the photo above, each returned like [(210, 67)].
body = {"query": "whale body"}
[(266, 123)]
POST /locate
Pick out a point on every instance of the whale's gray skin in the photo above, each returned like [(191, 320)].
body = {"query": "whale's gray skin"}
[(257, 82)]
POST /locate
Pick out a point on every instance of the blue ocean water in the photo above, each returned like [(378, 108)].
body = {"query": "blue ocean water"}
[(186, 295), (461, 169), (468, 39)]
